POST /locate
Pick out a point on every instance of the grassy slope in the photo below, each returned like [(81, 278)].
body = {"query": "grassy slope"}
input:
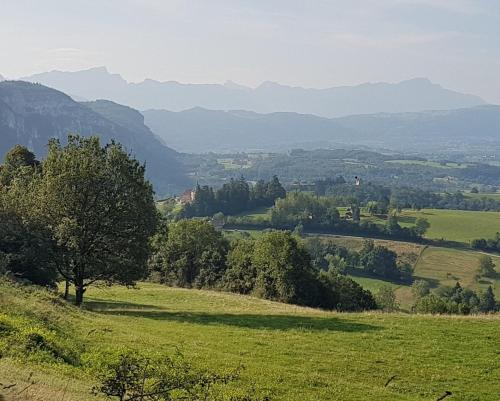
[(300, 354), (439, 266)]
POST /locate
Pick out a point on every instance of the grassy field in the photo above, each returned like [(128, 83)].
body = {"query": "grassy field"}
[(455, 225), (428, 163), (294, 353), (438, 265), (495, 196)]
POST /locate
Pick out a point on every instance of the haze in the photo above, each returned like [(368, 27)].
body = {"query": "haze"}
[(320, 44)]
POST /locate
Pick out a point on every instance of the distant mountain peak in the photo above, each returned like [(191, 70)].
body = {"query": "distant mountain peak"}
[(233, 85), (413, 95), (2, 78)]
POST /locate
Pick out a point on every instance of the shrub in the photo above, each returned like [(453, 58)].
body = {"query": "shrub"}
[(129, 376)]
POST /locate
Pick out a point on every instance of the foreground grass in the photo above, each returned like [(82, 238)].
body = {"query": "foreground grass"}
[(296, 353)]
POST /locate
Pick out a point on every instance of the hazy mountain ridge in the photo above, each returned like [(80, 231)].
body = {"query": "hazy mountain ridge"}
[(411, 95), (201, 130), (31, 114)]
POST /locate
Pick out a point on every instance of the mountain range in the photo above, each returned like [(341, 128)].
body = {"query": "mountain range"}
[(200, 130), (31, 114), (408, 96)]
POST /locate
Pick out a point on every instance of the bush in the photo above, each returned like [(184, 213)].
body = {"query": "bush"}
[(386, 299), (129, 376), (344, 294)]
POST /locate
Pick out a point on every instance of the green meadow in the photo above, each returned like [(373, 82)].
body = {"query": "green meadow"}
[(290, 352), (455, 225)]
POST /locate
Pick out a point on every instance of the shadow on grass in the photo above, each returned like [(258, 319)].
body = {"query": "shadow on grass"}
[(106, 305), (248, 321)]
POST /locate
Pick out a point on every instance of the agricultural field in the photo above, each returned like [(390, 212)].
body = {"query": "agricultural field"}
[(455, 225), (437, 265), (428, 163), (293, 353), (495, 196)]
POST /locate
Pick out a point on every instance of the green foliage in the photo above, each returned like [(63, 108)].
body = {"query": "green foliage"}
[(420, 289), (487, 301), (490, 244), (421, 226), (17, 158), (305, 209), (129, 376), (234, 197), (241, 273), (386, 299), (283, 267), (456, 300), (27, 250), (194, 254), (380, 261), (486, 266), (343, 294), (100, 210)]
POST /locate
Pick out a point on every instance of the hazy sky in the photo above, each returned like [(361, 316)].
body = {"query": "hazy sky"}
[(313, 43)]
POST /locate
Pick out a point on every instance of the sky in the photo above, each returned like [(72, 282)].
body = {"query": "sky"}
[(309, 43)]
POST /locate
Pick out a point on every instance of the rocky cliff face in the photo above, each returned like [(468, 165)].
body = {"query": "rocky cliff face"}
[(31, 114)]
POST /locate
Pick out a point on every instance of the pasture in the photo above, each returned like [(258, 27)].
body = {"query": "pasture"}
[(292, 353), (454, 225)]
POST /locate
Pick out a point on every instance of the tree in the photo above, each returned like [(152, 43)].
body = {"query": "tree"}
[(240, 274), (386, 299), (420, 289), (487, 302), (486, 266), (421, 226), (194, 254), (27, 250), (16, 158), (275, 190), (284, 270), (100, 210), (343, 294), (379, 261)]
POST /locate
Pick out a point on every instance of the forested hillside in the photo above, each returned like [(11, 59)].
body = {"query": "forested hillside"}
[(30, 114)]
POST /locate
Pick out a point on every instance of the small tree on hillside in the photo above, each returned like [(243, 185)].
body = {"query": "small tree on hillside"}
[(421, 226), (486, 266), (100, 209)]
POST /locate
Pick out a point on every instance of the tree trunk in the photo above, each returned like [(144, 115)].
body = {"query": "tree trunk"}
[(79, 290), (66, 290)]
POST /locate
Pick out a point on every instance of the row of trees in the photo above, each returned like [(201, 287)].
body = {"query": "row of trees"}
[(487, 244), (191, 253), (319, 213), (234, 197), (399, 197), (83, 214), (455, 300)]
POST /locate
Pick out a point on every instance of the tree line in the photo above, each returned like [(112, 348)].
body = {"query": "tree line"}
[(233, 197), (275, 266), (301, 210), (400, 197)]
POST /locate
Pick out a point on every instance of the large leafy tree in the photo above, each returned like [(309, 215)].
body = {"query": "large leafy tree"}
[(194, 254), (100, 210), (283, 269)]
